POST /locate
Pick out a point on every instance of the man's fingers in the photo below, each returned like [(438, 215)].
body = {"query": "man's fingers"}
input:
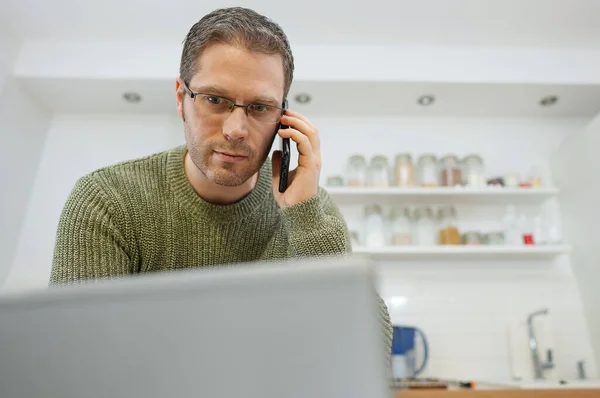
[(302, 125), (302, 143)]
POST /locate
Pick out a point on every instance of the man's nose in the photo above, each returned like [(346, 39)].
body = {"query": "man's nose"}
[(235, 127)]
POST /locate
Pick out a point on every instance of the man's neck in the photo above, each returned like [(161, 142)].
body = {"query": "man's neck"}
[(214, 193)]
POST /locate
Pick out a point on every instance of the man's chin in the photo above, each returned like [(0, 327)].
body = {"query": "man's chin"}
[(228, 177)]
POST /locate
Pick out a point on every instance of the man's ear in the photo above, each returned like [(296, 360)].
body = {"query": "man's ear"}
[(179, 96)]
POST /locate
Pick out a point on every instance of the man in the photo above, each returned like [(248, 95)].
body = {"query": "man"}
[(215, 200)]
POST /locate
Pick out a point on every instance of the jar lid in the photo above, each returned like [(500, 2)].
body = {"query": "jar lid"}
[(379, 159), (449, 160), (427, 156), (472, 156), (398, 211), (372, 209), (403, 157), (449, 156), (421, 212), (446, 211), (356, 159)]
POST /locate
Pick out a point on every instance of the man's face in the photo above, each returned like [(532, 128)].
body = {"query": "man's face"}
[(230, 148)]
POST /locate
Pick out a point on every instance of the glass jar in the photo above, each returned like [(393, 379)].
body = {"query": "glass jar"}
[(424, 227), (335, 181), (379, 175), (535, 177), (357, 171), (512, 180), (473, 172), (451, 173), (472, 238), (405, 173), (401, 227), (448, 233), (374, 226), (427, 171)]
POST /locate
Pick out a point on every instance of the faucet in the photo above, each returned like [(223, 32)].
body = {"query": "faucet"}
[(538, 365)]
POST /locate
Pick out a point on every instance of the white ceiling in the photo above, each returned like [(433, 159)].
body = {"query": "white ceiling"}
[(537, 23)]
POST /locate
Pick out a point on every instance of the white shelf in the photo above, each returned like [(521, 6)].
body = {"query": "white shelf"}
[(439, 195), (454, 253)]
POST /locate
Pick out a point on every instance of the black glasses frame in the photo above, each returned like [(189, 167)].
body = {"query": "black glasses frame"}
[(233, 105)]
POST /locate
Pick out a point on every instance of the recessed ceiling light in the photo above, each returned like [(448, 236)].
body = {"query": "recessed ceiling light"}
[(132, 97), (426, 100), (303, 98), (549, 100)]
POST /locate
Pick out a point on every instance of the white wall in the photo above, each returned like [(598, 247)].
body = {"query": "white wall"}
[(78, 144), (574, 167), (464, 308), (23, 125)]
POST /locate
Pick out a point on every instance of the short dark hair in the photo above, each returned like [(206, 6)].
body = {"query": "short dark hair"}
[(236, 26)]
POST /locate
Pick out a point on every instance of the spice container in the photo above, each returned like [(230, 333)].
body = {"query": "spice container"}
[(451, 174), (374, 226), (473, 171), (448, 233), (379, 172), (401, 227), (335, 181), (535, 177), (427, 171), (405, 173), (424, 226), (526, 230), (357, 171), (511, 180), (494, 238), (472, 238)]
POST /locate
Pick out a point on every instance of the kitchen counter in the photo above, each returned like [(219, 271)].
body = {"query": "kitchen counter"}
[(562, 393)]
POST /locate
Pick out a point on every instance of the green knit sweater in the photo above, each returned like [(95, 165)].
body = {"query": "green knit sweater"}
[(143, 215)]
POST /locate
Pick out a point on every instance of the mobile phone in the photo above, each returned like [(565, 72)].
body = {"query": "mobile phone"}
[(285, 155)]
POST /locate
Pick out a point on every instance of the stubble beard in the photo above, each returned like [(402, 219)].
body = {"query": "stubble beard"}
[(227, 175)]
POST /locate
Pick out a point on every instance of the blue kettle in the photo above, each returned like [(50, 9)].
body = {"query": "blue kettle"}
[(404, 352)]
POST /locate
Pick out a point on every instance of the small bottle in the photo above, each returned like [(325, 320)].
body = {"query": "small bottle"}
[(401, 227), (374, 226), (509, 226), (425, 227), (404, 168), (539, 231), (526, 230)]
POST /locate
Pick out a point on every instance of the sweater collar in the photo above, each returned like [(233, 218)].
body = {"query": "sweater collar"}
[(186, 195)]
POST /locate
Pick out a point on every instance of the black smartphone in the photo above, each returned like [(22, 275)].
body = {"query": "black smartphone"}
[(285, 155)]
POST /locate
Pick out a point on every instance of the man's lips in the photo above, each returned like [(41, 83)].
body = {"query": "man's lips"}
[(230, 156)]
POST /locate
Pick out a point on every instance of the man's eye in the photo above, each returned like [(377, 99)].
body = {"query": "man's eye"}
[(260, 108), (214, 99)]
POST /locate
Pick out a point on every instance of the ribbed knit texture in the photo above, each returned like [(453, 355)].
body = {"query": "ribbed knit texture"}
[(143, 215)]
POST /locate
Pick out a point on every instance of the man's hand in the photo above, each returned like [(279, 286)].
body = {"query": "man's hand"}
[(303, 182)]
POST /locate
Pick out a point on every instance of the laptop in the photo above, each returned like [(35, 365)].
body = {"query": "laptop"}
[(297, 329)]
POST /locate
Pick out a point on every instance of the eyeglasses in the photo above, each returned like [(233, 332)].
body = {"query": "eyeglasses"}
[(217, 105)]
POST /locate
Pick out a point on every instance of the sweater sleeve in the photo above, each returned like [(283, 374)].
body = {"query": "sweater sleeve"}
[(316, 227), (90, 241)]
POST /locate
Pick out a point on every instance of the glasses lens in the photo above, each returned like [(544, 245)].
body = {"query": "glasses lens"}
[(213, 104), (264, 114)]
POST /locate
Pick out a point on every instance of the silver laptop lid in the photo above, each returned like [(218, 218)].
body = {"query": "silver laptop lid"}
[(291, 329)]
